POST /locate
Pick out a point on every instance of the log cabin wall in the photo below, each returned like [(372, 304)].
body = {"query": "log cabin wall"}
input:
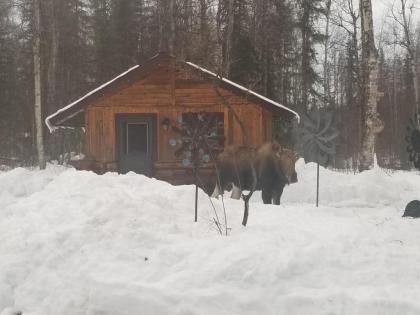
[(168, 92)]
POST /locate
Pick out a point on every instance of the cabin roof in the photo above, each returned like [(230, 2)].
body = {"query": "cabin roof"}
[(65, 117)]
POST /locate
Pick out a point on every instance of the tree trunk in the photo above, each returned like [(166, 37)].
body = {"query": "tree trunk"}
[(306, 59), (416, 88), (188, 30), (53, 60), (166, 26), (52, 77), (372, 125), (171, 20), (228, 39), (37, 83), (204, 34), (409, 45), (327, 96)]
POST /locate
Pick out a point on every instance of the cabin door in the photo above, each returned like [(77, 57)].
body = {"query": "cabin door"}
[(136, 136)]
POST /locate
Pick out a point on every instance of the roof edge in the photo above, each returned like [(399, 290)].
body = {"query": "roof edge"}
[(49, 121), (52, 127), (247, 90)]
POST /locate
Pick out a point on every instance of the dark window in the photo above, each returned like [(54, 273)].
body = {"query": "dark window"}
[(209, 120), (137, 138), (209, 123)]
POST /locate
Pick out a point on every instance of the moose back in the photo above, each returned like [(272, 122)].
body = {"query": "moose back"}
[(268, 168)]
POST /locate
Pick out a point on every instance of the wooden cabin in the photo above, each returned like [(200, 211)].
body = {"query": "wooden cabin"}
[(126, 119)]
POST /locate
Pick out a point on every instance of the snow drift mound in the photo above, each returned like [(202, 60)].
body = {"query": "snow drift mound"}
[(78, 243), (371, 189)]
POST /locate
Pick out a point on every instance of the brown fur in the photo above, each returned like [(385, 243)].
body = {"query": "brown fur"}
[(281, 158), (273, 166), (287, 161), (237, 157), (235, 165)]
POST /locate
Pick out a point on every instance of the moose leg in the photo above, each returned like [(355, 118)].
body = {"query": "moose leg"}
[(246, 210), (236, 192), (277, 194), (247, 197), (267, 195), (216, 191)]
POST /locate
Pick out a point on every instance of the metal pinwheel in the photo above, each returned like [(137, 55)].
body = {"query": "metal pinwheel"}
[(318, 137), (200, 137)]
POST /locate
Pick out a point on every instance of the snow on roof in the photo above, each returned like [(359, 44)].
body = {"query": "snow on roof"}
[(51, 127), (244, 89), (47, 120)]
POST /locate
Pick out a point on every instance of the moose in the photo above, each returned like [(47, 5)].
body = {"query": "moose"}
[(268, 168)]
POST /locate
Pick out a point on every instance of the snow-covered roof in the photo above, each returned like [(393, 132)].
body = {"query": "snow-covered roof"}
[(243, 89), (47, 120), (55, 120)]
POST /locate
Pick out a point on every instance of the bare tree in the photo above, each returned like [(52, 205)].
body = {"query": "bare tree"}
[(258, 43), (225, 17), (166, 25), (171, 20), (327, 91), (37, 82), (53, 57), (347, 17), (204, 30), (372, 124), (403, 16)]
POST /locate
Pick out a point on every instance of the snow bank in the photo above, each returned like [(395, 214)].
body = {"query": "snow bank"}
[(373, 189), (74, 243)]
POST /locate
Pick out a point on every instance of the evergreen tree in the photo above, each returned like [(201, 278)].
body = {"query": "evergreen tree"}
[(12, 131), (124, 36), (102, 39), (243, 64), (309, 13)]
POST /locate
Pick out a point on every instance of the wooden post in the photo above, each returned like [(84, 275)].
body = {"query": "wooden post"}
[(317, 184), (196, 201), (196, 191)]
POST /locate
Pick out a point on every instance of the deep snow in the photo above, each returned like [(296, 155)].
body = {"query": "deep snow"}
[(75, 243)]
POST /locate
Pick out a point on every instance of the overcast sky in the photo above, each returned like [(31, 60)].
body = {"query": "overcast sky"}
[(381, 9)]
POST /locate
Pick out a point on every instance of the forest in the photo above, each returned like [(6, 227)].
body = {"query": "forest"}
[(304, 54)]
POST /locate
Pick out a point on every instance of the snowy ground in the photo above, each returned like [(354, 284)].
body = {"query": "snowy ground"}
[(76, 243)]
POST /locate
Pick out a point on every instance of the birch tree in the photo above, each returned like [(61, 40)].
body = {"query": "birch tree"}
[(371, 123), (37, 83)]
